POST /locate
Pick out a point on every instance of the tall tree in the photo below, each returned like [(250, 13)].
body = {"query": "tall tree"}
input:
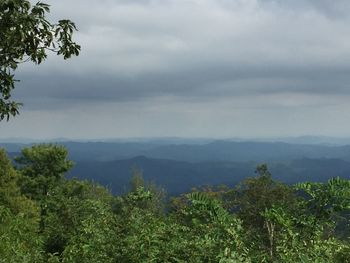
[(255, 195), (43, 168), (26, 35)]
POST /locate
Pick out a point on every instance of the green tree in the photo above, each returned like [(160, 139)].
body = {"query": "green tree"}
[(299, 229), (43, 168), (255, 195), (10, 192), (26, 35), (299, 238), (325, 200), (19, 241), (67, 207), (145, 195), (220, 233), (251, 199), (94, 238), (19, 219)]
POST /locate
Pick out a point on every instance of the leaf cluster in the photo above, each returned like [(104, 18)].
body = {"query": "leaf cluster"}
[(27, 35)]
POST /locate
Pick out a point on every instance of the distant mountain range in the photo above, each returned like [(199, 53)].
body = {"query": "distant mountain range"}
[(324, 140), (179, 166)]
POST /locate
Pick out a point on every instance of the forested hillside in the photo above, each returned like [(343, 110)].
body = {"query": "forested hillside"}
[(47, 218), (178, 176), (226, 151), (222, 162)]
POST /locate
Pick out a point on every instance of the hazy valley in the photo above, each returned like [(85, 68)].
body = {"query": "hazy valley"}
[(177, 166)]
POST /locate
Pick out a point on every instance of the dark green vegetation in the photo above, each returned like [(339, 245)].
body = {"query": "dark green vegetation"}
[(26, 35), (47, 218)]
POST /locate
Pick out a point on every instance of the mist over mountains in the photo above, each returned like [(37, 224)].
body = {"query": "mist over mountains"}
[(178, 165)]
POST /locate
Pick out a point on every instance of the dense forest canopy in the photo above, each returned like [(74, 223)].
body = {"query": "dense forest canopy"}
[(48, 218)]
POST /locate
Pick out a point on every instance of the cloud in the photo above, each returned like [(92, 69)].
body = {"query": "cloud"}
[(329, 8), (253, 54)]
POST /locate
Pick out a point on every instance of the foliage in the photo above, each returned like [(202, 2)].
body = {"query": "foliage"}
[(19, 219), (71, 203), (94, 238), (145, 195), (43, 166), (46, 218), (19, 241), (222, 231), (325, 200), (10, 192), (254, 195), (26, 35)]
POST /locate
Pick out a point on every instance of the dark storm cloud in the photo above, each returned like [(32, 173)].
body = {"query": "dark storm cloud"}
[(204, 83)]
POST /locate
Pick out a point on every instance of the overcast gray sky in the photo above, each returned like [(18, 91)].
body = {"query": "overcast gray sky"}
[(192, 68)]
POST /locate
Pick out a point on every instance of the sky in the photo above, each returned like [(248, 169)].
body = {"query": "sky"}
[(192, 68)]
